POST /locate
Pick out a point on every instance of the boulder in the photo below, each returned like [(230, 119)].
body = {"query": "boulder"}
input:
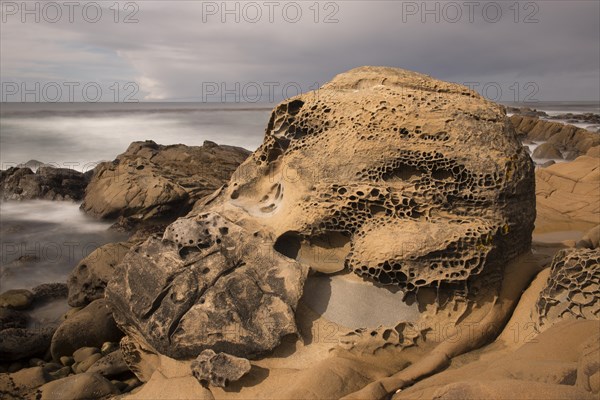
[(591, 239), (152, 181), (88, 279), (547, 150), (571, 140), (49, 291), (86, 386), (17, 343), (90, 327), (19, 384), (219, 369), (208, 283), (17, 299), (46, 183), (13, 319)]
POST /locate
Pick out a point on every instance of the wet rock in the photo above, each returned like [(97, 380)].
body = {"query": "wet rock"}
[(17, 343), (547, 150), (49, 291), (67, 361), (88, 362), (109, 347), (219, 369), (17, 299), (19, 384), (12, 319), (89, 327), (46, 183)]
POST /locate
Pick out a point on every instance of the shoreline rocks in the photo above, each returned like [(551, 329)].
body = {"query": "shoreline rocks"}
[(153, 182), (568, 140), (47, 183)]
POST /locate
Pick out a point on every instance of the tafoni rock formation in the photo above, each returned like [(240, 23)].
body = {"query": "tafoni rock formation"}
[(403, 179)]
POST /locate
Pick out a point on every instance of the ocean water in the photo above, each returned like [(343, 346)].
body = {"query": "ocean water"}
[(79, 135)]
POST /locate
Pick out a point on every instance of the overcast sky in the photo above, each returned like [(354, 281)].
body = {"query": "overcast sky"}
[(195, 51)]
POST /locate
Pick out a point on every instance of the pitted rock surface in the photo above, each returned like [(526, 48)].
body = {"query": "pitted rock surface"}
[(401, 178), (573, 287), (219, 369), (207, 284)]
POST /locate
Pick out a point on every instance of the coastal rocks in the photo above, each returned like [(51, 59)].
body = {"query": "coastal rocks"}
[(49, 291), (547, 150), (573, 287), (18, 385), (152, 181), (90, 327), (46, 183), (12, 319), (219, 369), (568, 139), (591, 240), (88, 279), (78, 387), (567, 195), (207, 283), (17, 299), (19, 343), (110, 365)]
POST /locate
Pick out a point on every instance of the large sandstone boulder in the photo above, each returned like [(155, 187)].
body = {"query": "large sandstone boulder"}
[(404, 179), (46, 183), (153, 181)]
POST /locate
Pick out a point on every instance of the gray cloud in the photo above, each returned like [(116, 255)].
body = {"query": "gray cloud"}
[(171, 51)]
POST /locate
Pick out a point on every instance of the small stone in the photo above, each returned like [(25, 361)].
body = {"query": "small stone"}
[(61, 373), (36, 362), (84, 353), (67, 361), (75, 368), (88, 362), (17, 299), (131, 383), (120, 385), (51, 367), (110, 365), (109, 347), (219, 369)]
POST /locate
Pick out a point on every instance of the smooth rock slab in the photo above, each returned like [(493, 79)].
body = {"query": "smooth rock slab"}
[(207, 284)]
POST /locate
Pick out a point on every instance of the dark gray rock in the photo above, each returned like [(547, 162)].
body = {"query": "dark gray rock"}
[(49, 291), (46, 183), (206, 285), (17, 343), (12, 319), (219, 369)]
